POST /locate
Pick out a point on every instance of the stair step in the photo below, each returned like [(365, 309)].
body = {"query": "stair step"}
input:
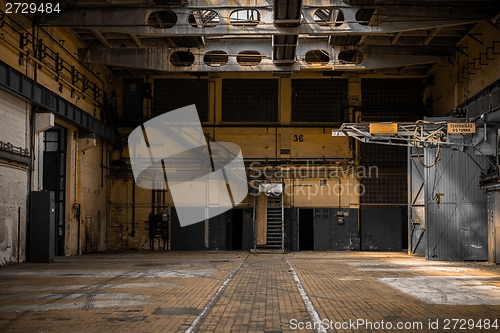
[(274, 223)]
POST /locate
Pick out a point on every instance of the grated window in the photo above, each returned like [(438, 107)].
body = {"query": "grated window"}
[(318, 100), (250, 100), (171, 94)]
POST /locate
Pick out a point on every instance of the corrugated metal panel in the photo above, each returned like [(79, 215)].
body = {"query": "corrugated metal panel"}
[(457, 227), (486, 100), (416, 224)]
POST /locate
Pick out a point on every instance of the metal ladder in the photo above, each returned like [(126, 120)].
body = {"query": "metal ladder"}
[(275, 222)]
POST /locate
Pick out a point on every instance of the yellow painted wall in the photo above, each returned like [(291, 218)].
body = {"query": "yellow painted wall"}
[(453, 83), (258, 144), (84, 185)]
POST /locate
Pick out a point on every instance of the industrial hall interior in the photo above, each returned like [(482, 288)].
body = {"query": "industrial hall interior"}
[(363, 125), (324, 136)]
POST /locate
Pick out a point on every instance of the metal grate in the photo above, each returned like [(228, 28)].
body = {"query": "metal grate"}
[(387, 183), (318, 100), (171, 94), (383, 156), (392, 92), (250, 100), (388, 100), (385, 189)]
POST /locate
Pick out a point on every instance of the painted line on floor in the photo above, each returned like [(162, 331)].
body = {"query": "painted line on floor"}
[(210, 304), (313, 314)]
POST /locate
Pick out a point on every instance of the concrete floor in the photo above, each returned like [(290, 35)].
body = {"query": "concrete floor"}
[(241, 292)]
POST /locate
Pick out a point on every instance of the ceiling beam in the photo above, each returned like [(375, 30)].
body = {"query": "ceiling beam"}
[(374, 57), (431, 35), (101, 38), (397, 20), (396, 37), (136, 40)]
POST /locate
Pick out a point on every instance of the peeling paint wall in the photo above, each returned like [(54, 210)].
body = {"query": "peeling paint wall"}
[(93, 199), (5, 241), (86, 183), (14, 129), (87, 193), (473, 69)]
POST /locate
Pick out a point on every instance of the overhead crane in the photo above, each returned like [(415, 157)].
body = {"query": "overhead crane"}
[(456, 133)]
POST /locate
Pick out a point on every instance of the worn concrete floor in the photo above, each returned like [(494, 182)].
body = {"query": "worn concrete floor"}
[(240, 292)]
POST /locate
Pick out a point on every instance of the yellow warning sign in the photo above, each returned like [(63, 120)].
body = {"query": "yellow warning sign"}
[(384, 128), (461, 128)]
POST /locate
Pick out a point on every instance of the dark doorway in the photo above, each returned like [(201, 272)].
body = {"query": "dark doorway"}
[(132, 98), (237, 229), (188, 238), (54, 178), (306, 229)]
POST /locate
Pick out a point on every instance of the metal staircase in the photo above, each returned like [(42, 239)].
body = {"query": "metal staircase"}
[(275, 222)]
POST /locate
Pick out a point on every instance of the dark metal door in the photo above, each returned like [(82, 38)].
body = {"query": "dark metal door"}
[(54, 178), (321, 230), (457, 224), (416, 193), (247, 241), (132, 98), (305, 229)]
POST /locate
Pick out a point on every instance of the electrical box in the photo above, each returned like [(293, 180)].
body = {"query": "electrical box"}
[(42, 222)]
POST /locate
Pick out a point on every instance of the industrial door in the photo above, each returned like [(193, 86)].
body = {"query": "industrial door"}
[(132, 98), (456, 218), (54, 178), (416, 192)]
